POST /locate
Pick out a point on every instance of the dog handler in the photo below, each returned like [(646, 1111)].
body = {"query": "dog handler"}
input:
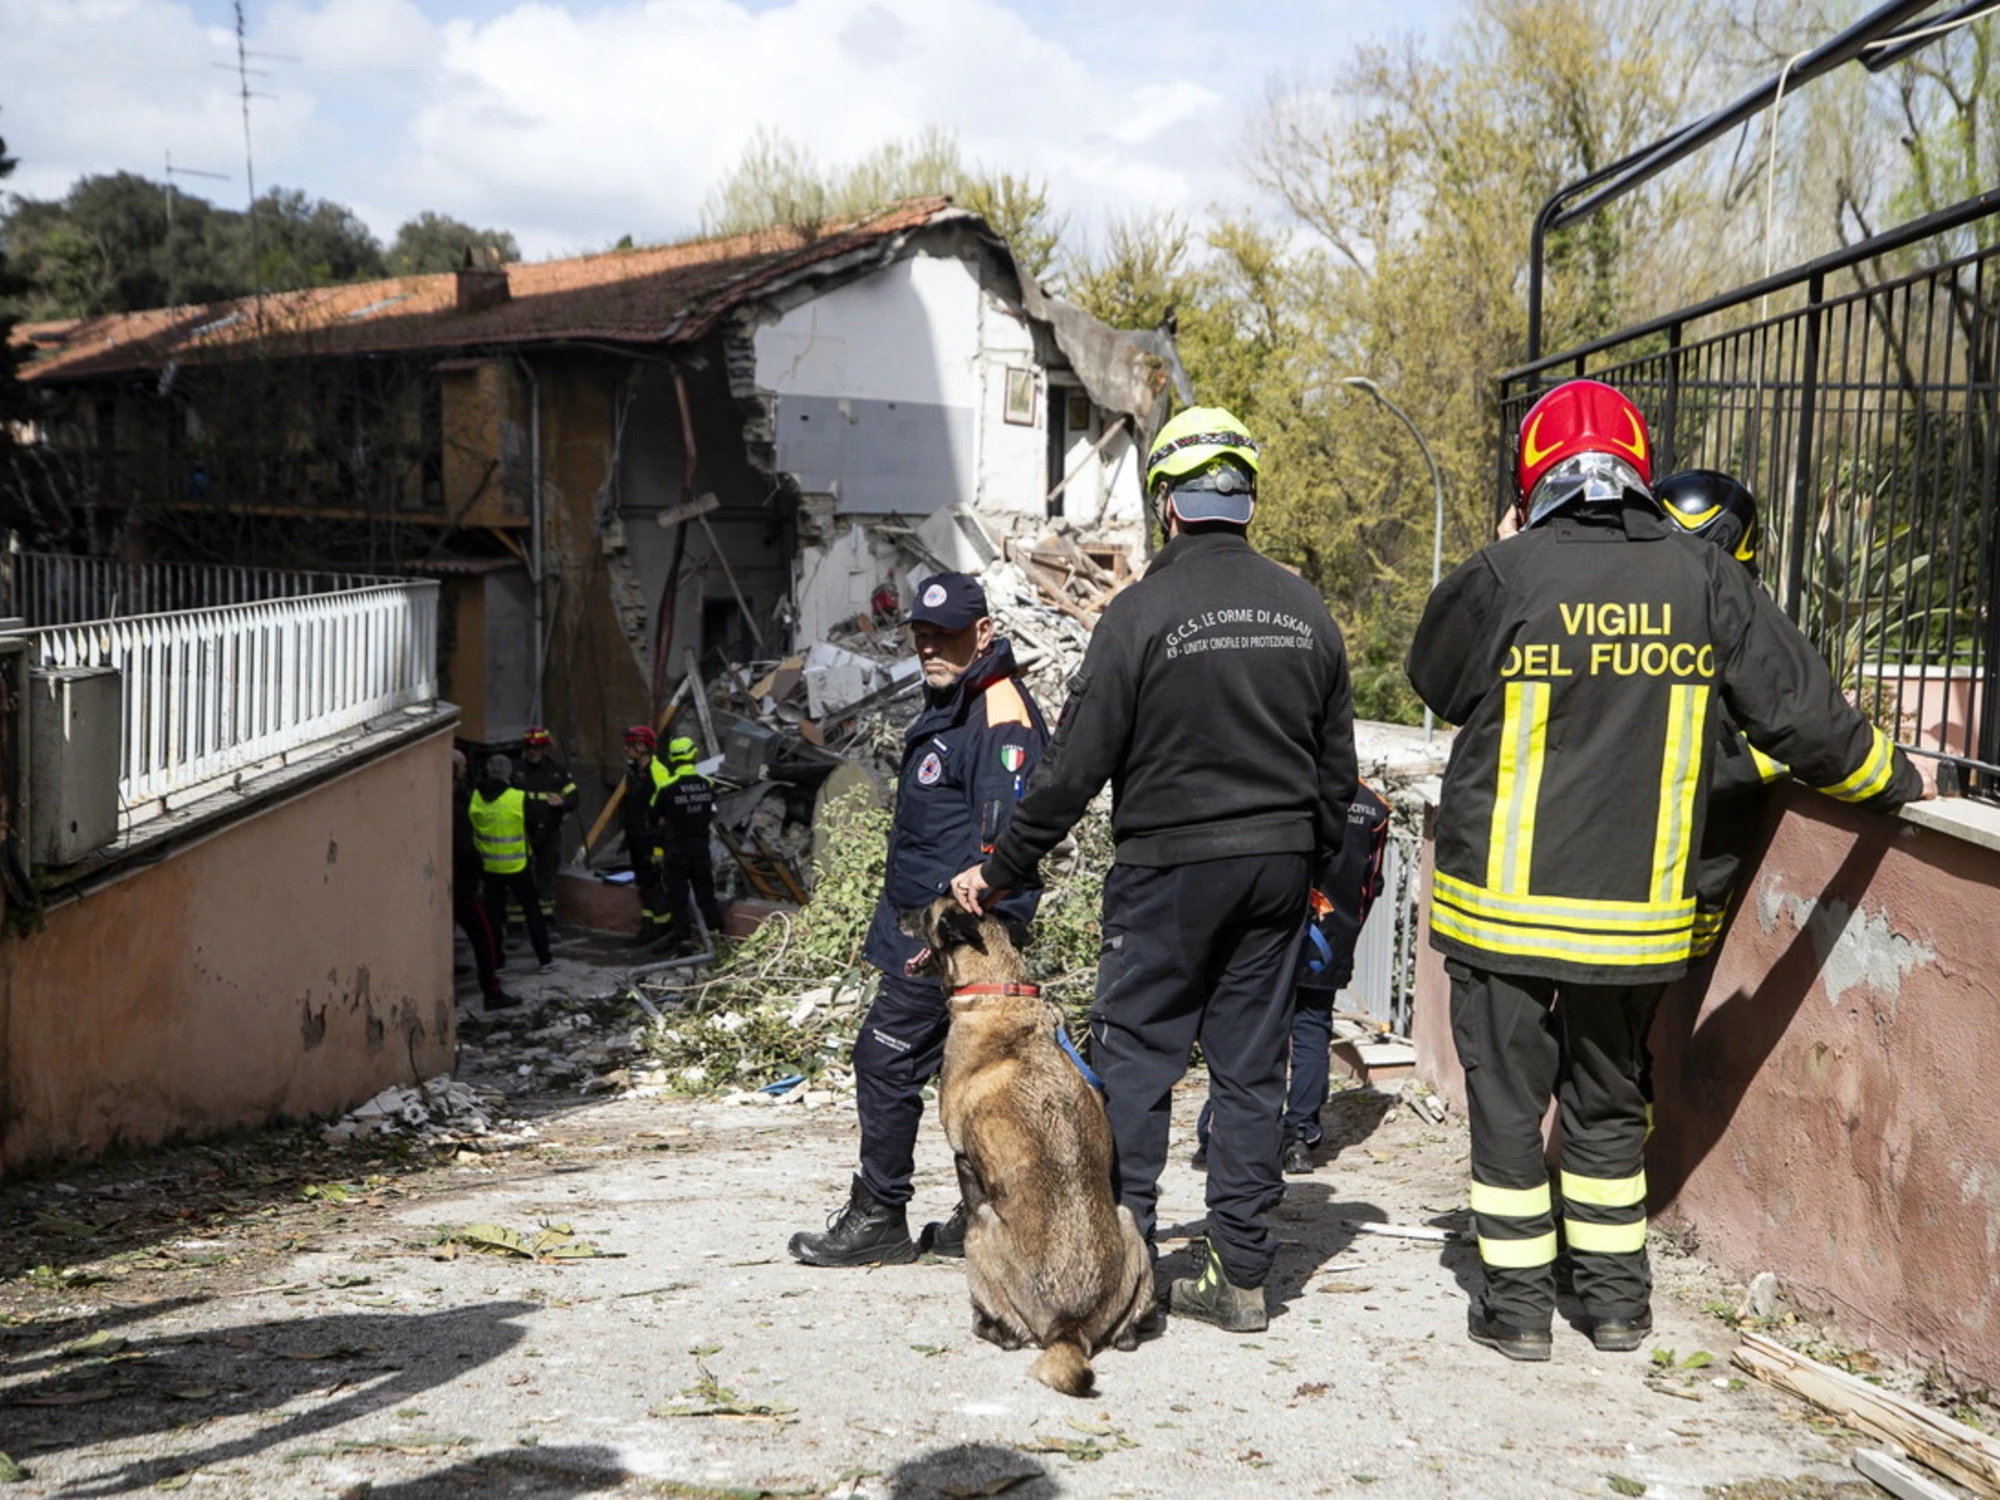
[(1214, 698), (966, 758)]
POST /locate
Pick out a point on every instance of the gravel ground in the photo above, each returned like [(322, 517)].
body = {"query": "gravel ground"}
[(276, 1317)]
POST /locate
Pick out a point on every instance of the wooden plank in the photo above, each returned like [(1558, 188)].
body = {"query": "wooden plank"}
[(1899, 1479), (710, 744), (1956, 1451)]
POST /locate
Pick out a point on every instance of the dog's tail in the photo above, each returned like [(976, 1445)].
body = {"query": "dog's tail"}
[(1065, 1366)]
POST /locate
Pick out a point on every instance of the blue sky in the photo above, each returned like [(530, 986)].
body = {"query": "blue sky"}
[(572, 122)]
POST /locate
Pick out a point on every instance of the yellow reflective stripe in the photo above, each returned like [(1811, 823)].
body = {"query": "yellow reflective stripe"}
[(1524, 729), (1704, 943), (1605, 1192), (1602, 1239), (1649, 1119), (1574, 911), (1680, 779), (1511, 1203), (1518, 1254), (1767, 768), (1872, 776), (1633, 950)]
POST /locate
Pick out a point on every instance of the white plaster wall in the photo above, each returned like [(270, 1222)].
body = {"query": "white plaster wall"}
[(1012, 457), (909, 332)]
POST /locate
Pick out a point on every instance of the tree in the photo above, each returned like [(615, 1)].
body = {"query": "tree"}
[(778, 181), (437, 242), (301, 241)]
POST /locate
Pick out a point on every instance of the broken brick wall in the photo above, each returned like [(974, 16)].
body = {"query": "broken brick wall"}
[(291, 964)]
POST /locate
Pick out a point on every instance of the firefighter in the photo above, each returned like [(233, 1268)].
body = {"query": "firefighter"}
[(686, 801), (1716, 508), (1337, 908), (551, 798), (966, 757), (1585, 660), (499, 815), (645, 777), (1214, 698)]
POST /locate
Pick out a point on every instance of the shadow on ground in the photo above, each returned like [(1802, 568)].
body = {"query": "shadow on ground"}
[(114, 1391), (971, 1469)]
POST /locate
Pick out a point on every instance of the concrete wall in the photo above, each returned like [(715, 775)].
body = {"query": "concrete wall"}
[(1827, 1102), (294, 963)]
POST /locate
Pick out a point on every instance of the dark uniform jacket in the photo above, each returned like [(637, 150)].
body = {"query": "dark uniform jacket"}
[(1214, 698), (1586, 662), (637, 810), (537, 781), (467, 868), (1343, 893), (685, 806), (966, 758)]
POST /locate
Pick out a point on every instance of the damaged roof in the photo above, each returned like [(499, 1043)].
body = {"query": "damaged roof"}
[(670, 294)]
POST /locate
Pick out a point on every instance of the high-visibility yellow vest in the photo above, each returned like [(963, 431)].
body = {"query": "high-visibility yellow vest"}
[(500, 829)]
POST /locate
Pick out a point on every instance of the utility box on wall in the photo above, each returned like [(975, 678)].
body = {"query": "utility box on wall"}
[(73, 739)]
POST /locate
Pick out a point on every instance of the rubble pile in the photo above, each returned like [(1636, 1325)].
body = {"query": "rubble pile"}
[(440, 1111)]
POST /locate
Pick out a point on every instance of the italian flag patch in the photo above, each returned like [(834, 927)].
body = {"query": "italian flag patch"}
[(1013, 757)]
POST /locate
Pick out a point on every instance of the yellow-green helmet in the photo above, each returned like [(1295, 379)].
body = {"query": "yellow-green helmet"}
[(1196, 438)]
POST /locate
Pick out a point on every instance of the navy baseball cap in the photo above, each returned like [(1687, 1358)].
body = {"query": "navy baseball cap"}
[(950, 601)]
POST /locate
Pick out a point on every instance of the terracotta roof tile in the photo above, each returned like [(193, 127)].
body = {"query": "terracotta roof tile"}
[(669, 294)]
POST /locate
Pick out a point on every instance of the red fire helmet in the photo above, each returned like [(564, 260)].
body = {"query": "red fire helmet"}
[(1580, 416)]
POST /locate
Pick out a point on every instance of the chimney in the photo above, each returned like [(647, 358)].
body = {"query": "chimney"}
[(480, 288)]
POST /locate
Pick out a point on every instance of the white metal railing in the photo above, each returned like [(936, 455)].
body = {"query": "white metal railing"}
[(209, 693), (56, 588)]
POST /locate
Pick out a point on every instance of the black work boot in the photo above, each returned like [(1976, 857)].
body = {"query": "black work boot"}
[(947, 1238), (1621, 1335), (862, 1232), (1516, 1343), (1213, 1298), (1297, 1160)]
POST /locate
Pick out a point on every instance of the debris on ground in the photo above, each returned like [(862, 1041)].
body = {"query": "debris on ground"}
[(551, 1242), (439, 1111)]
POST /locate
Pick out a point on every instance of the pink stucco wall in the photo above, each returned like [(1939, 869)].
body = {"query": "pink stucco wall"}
[(294, 963), (1827, 1099)]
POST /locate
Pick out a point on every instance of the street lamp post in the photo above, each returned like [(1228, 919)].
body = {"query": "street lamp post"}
[(1363, 383)]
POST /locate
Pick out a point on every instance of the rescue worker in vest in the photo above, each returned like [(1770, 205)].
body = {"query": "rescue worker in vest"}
[(1214, 697), (686, 803), (468, 910), (552, 797), (645, 777), (499, 814), (1585, 660), (1337, 909), (966, 758)]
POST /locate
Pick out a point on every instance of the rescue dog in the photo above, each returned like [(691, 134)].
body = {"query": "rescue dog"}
[(1050, 1259)]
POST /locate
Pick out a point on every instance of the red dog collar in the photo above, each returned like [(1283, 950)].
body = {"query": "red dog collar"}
[(997, 989)]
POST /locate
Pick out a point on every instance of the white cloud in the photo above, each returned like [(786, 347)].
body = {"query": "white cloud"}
[(574, 121)]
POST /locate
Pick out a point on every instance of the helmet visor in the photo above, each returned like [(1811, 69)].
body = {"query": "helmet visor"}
[(1584, 479)]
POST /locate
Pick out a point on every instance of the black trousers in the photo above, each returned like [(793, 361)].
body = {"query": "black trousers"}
[(1202, 952), (520, 886), (687, 870), (899, 1047), (653, 907), (1522, 1040), (470, 915), (1311, 1070), (545, 859)]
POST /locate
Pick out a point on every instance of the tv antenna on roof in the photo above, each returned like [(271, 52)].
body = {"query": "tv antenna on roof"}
[(244, 73), (173, 172)]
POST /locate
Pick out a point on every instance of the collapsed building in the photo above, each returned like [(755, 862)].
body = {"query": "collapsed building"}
[(626, 467)]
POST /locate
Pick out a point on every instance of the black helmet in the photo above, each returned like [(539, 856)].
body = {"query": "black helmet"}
[(1707, 503)]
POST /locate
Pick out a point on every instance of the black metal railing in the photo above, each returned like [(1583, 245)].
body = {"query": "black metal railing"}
[(1864, 412)]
